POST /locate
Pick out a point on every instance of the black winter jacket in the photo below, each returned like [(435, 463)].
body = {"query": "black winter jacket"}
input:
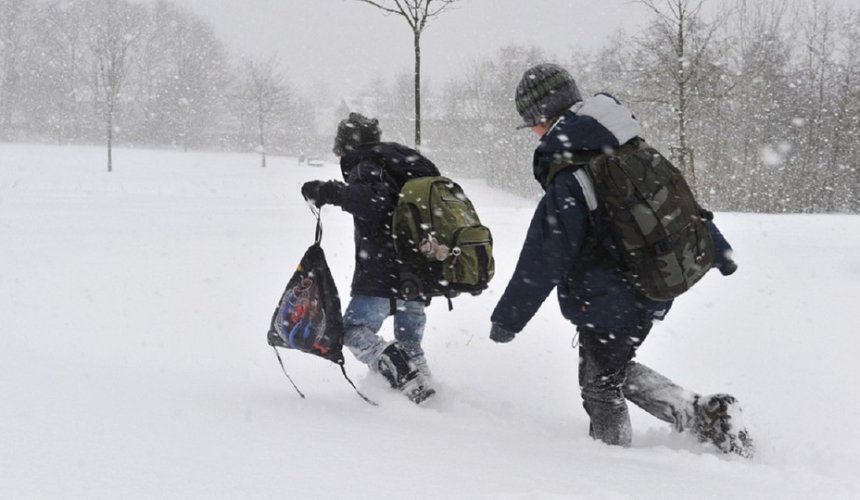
[(374, 174), (592, 289)]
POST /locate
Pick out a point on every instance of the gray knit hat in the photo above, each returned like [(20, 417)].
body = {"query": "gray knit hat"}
[(357, 129), (545, 91)]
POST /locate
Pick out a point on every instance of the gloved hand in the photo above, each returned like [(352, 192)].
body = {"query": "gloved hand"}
[(724, 263), (322, 192), (499, 334), (728, 267)]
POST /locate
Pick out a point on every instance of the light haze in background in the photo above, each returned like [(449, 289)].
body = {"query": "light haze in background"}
[(341, 45)]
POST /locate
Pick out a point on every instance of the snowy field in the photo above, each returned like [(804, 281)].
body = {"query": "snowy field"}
[(133, 363)]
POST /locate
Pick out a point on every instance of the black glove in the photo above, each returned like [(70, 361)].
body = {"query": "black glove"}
[(499, 334), (322, 192), (728, 267), (724, 263)]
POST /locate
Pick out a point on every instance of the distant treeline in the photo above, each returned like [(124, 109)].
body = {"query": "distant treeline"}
[(758, 103), (146, 73)]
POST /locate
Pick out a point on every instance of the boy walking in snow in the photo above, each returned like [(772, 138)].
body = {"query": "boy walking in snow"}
[(567, 247), (374, 171)]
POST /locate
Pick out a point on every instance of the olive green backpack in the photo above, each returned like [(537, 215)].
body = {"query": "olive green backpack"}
[(442, 247)]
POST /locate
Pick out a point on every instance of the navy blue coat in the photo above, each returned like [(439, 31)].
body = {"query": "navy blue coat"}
[(591, 287), (374, 174)]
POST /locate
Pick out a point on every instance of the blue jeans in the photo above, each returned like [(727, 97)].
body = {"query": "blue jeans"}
[(363, 320)]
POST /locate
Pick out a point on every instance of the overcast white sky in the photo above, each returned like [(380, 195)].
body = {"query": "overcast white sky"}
[(338, 46), (342, 44)]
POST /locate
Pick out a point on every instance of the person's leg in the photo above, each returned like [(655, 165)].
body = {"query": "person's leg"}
[(409, 321), (715, 418), (363, 319), (659, 396), (361, 323), (603, 357)]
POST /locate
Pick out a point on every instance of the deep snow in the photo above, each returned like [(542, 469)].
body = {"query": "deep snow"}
[(133, 312)]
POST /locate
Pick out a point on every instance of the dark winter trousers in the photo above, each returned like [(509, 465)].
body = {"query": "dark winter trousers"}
[(603, 358), (608, 377)]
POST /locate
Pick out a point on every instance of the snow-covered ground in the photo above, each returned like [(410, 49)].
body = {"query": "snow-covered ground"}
[(133, 360)]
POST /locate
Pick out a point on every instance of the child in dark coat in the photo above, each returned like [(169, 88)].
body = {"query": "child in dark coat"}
[(374, 171), (612, 317)]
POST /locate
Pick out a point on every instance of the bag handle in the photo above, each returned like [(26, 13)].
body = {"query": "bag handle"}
[(319, 231), (342, 369)]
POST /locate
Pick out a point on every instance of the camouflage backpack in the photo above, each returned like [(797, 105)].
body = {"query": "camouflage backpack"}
[(442, 246), (659, 229)]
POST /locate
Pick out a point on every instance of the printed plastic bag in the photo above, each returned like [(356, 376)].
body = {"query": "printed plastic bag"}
[(308, 316)]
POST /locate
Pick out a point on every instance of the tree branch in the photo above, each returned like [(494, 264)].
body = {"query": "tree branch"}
[(386, 9)]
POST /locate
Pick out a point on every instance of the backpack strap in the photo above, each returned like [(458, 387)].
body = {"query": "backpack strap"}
[(575, 159), (582, 162), (587, 188), (579, 162)]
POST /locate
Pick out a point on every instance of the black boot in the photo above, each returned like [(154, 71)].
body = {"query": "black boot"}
[(396, 366), (719, 421)]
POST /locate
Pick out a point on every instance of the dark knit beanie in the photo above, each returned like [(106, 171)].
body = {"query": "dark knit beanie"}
[(545, 91), (354, 131)]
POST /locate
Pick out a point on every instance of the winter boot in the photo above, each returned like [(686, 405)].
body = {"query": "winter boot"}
[(718, 420), (396, 366), (713, 419)]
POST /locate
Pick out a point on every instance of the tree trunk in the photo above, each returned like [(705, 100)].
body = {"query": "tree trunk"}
[(685, 154), (262, 137), (110, 137), (417, 46), (186, 127)]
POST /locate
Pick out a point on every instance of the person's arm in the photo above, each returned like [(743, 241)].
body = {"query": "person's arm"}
[(553, 240), (722, 251), (366, 195)]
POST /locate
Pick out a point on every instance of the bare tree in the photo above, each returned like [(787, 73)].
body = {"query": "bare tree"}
[(753, 115), (59, 73), (681, 47), (12, 23), (416, 13), (817, 76), (182, 69), (849, 111), (114, 26), (478, 129), (261, 98), (391, 101)]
